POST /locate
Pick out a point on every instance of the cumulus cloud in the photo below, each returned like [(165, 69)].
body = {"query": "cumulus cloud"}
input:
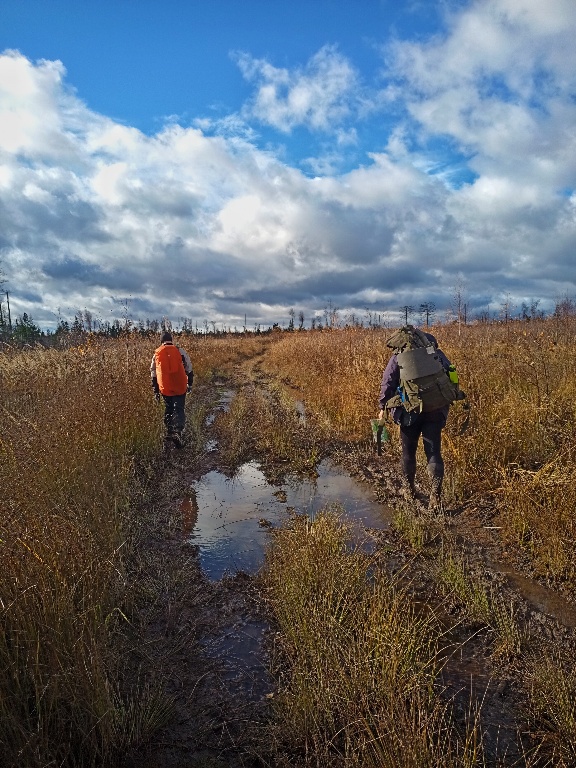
[(320, 95), (203, 222), (501, 84)]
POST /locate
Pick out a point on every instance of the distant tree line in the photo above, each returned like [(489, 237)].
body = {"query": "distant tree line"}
[(23, 329)]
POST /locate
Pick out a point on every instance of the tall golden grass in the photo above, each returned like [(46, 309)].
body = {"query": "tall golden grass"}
[(74, 422), (79, 432), (519, 453), (358, 665)]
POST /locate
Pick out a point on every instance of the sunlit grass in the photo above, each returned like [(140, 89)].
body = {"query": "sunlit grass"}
[(357, 663), (519, 451), (80, 436), (74, 424)]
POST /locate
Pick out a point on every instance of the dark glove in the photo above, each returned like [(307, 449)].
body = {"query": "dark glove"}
[(188, 389)]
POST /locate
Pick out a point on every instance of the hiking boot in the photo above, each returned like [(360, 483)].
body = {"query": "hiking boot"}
[(176, 438), (408, 489), (435, 500)]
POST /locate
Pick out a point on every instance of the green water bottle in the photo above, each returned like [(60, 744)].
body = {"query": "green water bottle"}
[(453, 374), (379, 433)]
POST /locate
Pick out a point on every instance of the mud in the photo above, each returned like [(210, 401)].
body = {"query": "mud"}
[(209, 631)]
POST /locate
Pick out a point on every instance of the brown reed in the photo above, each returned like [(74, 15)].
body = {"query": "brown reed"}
[(519, 452), (80, 433)]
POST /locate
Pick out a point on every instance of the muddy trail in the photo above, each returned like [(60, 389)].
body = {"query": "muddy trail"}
[(208, 634)]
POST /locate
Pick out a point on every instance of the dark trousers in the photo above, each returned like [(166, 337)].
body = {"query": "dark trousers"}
[(174, 414), (430, 426)]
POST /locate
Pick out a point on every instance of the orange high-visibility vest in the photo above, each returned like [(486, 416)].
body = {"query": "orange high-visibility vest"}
[(170, 372)]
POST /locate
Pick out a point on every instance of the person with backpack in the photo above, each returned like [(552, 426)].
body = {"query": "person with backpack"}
[(418, 386), (172, 377)]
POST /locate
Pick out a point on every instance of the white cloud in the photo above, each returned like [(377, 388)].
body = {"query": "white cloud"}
[(213, 227), (39, 116), (318, 95), (497, 80)]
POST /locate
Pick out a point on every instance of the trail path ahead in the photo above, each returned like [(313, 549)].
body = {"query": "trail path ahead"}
[(208, 638)]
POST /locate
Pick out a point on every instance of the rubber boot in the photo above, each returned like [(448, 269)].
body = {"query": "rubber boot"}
[(175, 437)]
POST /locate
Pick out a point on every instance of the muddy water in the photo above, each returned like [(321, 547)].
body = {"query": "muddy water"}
[(234, 515), (541, 598), (228, 519)]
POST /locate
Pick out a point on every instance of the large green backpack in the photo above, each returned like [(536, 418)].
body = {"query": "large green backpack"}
[(424, 383)]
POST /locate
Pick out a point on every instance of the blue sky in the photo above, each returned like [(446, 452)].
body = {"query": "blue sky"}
[(140, 61), (212, 160)]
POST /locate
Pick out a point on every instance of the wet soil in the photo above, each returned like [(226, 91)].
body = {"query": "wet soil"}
[(479, 679), (207, 635)]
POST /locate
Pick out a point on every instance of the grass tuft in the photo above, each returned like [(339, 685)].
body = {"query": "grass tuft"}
[(357, 664)]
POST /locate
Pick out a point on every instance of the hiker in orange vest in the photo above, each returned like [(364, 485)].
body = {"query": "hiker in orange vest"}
[(172, 377)]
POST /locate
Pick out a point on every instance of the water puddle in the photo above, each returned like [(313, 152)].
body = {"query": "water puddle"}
[(233, 515), (540, 597), (228, 520), (225, 398)]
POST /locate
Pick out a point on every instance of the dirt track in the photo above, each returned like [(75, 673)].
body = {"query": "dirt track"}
[(220, 710)]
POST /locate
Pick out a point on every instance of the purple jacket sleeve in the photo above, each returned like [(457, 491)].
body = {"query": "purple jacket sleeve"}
[(390, 381), (443, 359)]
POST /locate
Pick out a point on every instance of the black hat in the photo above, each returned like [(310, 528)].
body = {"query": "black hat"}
[(166, 336)]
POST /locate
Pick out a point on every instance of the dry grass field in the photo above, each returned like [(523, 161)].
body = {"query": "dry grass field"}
[(519, 452), (79, 444), (79, 438)]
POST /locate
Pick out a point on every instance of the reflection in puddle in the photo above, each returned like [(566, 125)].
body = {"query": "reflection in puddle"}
[(189, 509), (234, 514), (225, 398)]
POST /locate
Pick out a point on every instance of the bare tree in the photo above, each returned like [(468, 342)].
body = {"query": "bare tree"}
[(427, 310), (331, 315), (459, 300), (531, 311), (88, 320), (5, 319), (8, 310), (407, 310), (565, 307), (506, 308)]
